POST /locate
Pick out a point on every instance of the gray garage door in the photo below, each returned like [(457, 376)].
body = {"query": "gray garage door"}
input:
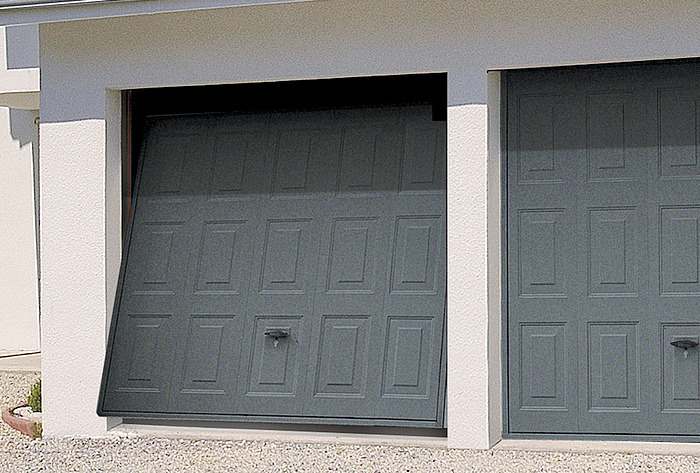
[(285, 267), (603, 235)]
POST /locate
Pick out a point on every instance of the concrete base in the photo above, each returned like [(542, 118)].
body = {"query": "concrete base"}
[(278, 435), (595, 446)]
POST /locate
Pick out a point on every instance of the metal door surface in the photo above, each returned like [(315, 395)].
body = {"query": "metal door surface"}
[(602, 239), (285, 267)]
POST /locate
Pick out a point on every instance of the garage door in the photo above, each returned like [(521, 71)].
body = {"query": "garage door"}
[(285, 267), (603, 236)]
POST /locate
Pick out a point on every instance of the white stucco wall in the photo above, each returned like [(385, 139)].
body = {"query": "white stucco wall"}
[(19, 312), (84, 63), (19, 301)]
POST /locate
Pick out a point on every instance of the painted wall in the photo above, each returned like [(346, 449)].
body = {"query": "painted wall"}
[(84, 63), (19, 300), (19, 312)]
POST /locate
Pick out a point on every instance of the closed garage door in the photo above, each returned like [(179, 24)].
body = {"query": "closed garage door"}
[(603, 216), (285, 267)]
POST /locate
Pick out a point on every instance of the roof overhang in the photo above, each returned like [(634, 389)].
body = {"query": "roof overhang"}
[(18, 12)]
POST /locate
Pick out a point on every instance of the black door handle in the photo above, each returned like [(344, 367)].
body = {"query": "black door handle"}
[(276, 334), (685, 344)]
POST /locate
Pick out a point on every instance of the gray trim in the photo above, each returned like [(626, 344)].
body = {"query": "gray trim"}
[(13, 12)]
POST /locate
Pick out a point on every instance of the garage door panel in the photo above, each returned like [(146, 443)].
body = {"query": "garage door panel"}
[(222, 257), (278, 347), (410, 354), (205, 382), (353, 256), (680, 369), (286, 267), (370, 149), (544, 387), (158, 269), (629, 242), (613, 251), (241, 160), (678, 112), (281, 230), (143, 342), (343, 355), (424, 156), (538, 146), (416, 248), (616, 140), (306, 161), (680, 253)]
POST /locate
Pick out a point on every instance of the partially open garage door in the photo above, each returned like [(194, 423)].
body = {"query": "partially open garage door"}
[(285, 267), (603, 250)]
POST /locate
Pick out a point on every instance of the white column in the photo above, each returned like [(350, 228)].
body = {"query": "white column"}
[(73, 275), (467, 303)]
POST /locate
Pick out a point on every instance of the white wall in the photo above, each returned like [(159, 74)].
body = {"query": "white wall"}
[(19, 300), (19, 312), (84, 62)]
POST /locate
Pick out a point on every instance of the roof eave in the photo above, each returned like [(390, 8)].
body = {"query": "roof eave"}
[(50, 12)]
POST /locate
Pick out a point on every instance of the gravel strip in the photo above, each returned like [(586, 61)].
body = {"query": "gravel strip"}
[(136, 453)]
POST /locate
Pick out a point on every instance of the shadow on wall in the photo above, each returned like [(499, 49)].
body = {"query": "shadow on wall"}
[(23, 126)]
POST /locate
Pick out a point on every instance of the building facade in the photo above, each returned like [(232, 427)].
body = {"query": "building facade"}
[(570, 261)]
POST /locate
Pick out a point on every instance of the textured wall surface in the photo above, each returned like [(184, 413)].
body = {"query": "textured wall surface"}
[(19, 312)]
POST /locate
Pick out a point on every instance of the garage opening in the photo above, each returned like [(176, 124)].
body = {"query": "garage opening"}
[(285, 255), (603, 205)]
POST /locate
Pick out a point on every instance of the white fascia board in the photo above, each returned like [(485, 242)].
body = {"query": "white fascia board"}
[(27, 12), (19, 88)]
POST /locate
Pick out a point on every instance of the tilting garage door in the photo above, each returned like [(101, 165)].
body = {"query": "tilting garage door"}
[(603, 250), (285, 267)]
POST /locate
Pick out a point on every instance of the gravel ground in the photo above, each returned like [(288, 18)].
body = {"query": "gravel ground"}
[(132, 453)]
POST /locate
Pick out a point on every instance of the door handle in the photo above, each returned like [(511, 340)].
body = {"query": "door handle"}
[(276, 334), (685, 344)]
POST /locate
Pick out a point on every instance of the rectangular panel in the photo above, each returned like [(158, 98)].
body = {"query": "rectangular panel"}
[(292, 165), (274, 366), (285, 256), (612, 252), (408, 360), (238, 166), (541, 253), (172, 150), (424, 156), (613, 372), (543, 366), (416, 243), (680, 369), (353, 255), (341, 370), (610, 137), (157, 269), (539, 122), (207, 354), (144, 333), (370, 147), (678, 133), (358, 159), (680, 242), (219, 266)]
